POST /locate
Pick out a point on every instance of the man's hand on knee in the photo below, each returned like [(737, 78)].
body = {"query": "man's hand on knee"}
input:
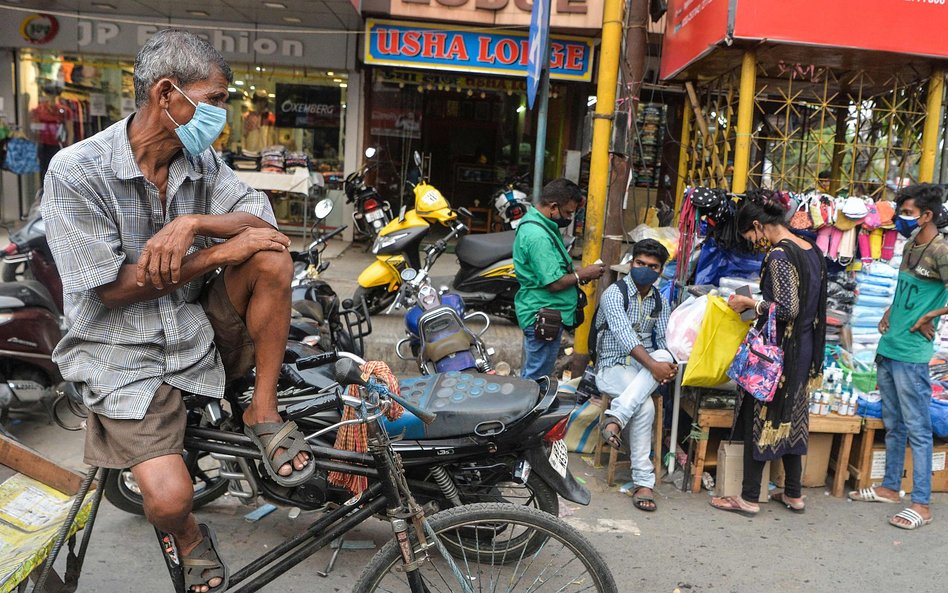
[(242, 247)]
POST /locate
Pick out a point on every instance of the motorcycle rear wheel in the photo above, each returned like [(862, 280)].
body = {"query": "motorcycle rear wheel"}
[(123, 493), (377, 298)]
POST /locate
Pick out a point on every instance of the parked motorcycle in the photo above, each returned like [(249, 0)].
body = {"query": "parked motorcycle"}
[(511, 201), (397, 245), (439, 338), (318, 315), (28, 257), (371, 213), (493, 439)]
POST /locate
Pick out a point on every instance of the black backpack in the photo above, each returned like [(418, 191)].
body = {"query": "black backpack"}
[(596, 327)]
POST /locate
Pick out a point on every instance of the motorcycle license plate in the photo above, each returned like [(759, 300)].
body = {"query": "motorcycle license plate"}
[(559, 457), (374, 215)]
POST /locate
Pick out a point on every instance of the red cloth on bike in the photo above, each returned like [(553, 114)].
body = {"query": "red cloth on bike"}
[(354, 437)]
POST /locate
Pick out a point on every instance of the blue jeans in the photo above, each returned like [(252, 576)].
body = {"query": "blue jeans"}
[(539, 356), (906, 395)]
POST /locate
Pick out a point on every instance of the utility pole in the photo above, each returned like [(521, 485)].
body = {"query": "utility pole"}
[(611, 48)]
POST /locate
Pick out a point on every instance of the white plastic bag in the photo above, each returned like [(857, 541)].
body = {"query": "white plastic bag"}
[(683, 326)]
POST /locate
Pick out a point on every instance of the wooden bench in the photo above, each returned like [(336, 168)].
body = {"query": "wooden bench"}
[(707, 419), (860, 463)]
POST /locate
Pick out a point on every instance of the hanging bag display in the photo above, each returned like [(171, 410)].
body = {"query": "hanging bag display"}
[(758, 365), (801, 220), (21, 156)]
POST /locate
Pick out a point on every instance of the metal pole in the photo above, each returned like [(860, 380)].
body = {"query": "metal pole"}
[(936, 88), (745, 122), (683, 154), (539, 159), (612, 14)]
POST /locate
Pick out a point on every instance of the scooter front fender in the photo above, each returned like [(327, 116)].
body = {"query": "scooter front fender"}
[(566, 486), (381, 273)]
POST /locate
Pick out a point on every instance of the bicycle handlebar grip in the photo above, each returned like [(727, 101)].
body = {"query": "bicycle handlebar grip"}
[(316, 360), (322, 403), (347, 372)]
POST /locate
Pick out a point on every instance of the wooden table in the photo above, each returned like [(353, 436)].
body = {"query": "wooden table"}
[(846, 426), (862, 470)]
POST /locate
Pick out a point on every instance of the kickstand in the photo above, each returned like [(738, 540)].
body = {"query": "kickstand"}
[(340, 544)]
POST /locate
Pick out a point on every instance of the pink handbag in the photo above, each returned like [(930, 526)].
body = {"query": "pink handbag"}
[(758, 364)]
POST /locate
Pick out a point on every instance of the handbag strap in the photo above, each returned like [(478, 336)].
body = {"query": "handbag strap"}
[(556, 244), (772, 324)]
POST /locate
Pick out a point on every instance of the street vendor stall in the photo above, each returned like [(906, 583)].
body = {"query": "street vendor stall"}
[(835, 106), (294, 191)]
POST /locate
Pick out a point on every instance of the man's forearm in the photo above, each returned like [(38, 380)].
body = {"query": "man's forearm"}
[(641, 355), (125, 290), (936, 313), (566, 280), (225, 226)]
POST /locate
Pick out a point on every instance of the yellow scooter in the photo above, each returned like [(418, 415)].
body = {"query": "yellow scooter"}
[(397, 245)]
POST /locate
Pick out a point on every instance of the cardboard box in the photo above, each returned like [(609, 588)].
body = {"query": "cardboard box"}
[(939, 467), (730, 471), (815, 463)]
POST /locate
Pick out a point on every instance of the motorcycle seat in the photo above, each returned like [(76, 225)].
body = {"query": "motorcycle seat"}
[(31, 292), (480, 251), (465, 404)]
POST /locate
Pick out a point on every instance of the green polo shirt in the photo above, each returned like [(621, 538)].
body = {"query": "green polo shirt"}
[(539, 262)]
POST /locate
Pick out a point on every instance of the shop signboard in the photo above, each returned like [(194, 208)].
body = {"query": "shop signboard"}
[(901, 26), (692, 29), (123, 36), (695, 27), (415, 45), (564, 14), (307, 106), (388, 117)]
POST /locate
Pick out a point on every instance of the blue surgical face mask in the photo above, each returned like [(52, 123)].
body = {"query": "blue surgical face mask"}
[(203, 129), (906, 225), (643, 276)]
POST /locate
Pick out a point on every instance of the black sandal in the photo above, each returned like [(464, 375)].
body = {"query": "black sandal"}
[(611, 437), (272, 436), (204, 563), (644, 503)]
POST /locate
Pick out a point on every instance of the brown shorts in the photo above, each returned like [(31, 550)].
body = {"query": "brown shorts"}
[(123, 443)]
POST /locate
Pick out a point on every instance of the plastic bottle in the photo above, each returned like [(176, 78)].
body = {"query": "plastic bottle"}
[(837, 398), (815, 399), (825, 404), (853, 402)]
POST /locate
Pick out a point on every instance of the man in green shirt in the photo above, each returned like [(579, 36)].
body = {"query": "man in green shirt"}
[(906, 348), (545, 272)]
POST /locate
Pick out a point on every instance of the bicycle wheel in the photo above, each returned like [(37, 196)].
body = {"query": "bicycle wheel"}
[(565, 563)]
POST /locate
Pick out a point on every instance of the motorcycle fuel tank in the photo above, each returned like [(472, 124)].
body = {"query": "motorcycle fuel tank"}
[(414, 314)]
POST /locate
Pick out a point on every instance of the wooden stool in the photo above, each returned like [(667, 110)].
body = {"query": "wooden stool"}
[(706, 419), (860, 463), (614, 462)]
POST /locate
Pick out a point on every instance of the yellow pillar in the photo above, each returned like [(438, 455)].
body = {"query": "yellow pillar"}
[(936, 88), (745, 122), (683, 160), (611, 47)]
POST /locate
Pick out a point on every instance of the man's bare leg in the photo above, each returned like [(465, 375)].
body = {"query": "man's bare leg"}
[(259, 290), (167, 493)]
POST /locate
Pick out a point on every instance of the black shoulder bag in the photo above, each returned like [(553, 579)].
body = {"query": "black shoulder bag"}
[(549, 321)]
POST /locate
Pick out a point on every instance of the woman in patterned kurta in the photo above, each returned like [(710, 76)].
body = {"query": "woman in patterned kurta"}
[(793, 280)]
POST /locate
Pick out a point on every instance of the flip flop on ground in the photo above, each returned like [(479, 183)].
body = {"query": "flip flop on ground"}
[(911, 520), (280, 443), (644, 502), (735, 504), (613, 438), (203, 564), (797, 506), (870, 495)]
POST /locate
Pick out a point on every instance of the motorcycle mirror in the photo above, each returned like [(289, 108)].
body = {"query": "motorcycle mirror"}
[(323, 208), (417, 158), (465, 212), (370, 152), (347, 372), (409, 274)]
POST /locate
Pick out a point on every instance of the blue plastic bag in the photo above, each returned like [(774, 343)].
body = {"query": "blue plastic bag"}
[(939, 412), (715, 263), (868, 409)]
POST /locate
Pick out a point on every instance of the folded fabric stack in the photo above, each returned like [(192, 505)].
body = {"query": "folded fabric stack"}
[(876, 288), (273, 159), (247, 160), (297, 159)]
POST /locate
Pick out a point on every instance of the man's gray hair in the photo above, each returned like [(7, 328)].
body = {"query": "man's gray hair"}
[(183, 56)]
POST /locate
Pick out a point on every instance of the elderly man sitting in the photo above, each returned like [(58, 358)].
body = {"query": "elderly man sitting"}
[(140, 217)]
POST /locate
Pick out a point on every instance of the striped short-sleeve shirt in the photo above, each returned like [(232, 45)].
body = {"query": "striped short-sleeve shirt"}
[(99, 212)]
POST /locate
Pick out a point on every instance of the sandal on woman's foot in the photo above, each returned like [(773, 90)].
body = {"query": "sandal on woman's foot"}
[(734, 504), (912, 520), (203, 563), (795, 506), (644, 502), (270, 437), (613, 438), (869, 495)]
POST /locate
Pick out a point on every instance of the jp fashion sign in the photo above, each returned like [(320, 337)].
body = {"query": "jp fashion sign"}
[(413, 45)]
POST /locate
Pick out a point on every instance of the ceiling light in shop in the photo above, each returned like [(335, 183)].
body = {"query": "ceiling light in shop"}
[(470, 93), (521, 109), (330, 73), (231, 89), (198, 13), (253, 88), (337, 80), (257, 68), (292, 19), (102, 5), (239, 83), (274, 5), (343, 85), (483, 95), (273, 95)]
